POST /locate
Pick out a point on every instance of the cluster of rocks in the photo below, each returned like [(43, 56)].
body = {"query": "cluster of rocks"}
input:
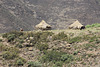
[(28, 42)]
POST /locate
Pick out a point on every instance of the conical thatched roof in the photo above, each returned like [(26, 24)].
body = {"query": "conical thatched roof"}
[(76, 25), (43, 25)]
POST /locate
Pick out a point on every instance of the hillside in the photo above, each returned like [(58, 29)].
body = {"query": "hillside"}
[(15, 14), (53, 48)]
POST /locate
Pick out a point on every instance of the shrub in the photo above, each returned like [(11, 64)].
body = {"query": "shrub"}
[(76, 52), (67, 57), (20, 61), (19, 45), (58, 64), (17, 33), (75, 39), (5, 35), (11, 37), (0, 40), (87, 46), (51, 56), (60, 36), (34, 64), (2, 47), (42, 47), (41, 37), (92, 39), (9, 55), (97, 41)]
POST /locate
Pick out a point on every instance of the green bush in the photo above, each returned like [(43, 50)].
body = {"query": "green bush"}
[(11, 37), (87, 46), (34, 64), (67, 57), (76, 52), (51, 56), (97, 41), (58, 64), (42, 36), (20, 61), (60, 36), (5, 35), (2, 47), (0, 40), (9, 55), (75, 39), (42, 47), (17, 33), (19, 45)]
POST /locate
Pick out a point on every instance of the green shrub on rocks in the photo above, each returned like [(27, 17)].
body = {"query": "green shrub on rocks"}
[(20, 61), (67, 58), (56, 56)]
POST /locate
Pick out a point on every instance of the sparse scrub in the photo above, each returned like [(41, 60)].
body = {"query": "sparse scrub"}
[(87, 46), (55, 56), (60, 36), (75, 39), (12, 35), (67, 58), (10, 53), (41, 37), (34, 64), (51, 56), (2, 47)]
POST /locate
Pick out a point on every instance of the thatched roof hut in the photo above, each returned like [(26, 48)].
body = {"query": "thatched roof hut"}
[(43, 26), (76, 25)]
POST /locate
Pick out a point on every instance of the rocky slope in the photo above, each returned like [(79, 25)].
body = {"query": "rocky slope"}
[(56, 48), (15, 14)]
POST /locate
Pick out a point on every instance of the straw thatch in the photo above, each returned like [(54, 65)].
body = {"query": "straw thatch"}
[(43, 26), (76, 25)]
